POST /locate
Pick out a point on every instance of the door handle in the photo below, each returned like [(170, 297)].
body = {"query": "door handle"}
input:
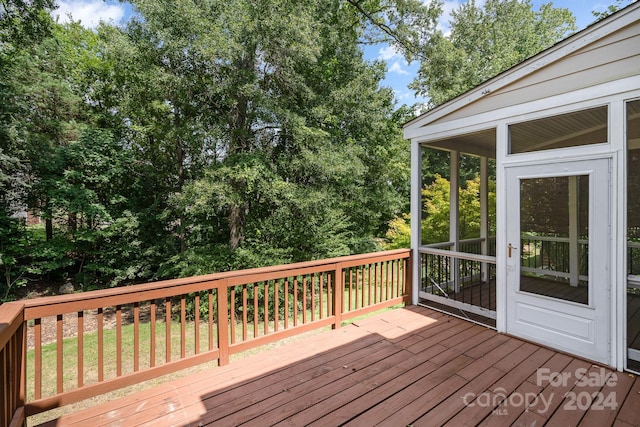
[(509, 248)]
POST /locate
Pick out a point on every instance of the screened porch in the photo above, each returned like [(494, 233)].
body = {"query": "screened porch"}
[(458, 263)]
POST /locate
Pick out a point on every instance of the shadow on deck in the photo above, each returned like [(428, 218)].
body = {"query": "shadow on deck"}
[(406, 366)]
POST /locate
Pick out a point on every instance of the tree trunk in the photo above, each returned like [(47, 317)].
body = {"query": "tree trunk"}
[(237, 218), (72, 223), (240, 141)]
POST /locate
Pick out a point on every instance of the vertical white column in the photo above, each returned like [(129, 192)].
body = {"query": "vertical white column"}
[(502, 207), (574, 256), (484, 213), (416, 217), (454, 216), (618, 139)]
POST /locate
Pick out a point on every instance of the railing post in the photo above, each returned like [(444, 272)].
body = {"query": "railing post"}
[(223, 323), (408, 278), (338, 294), (12, 359)]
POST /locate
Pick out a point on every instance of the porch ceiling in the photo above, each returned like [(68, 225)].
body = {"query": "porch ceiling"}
[(482, 143)]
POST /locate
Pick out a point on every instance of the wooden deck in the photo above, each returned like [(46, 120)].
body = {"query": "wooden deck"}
[(472, 294), (406, 366)]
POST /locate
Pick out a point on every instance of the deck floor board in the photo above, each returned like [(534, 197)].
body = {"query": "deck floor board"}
[(400, 367)]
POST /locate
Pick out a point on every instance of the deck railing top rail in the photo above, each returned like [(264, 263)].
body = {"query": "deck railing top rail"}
[(134, 293)]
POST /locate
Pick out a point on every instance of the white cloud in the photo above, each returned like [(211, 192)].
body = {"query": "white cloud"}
[(396, 67), (401, 96), (88, 12), (387, 53)]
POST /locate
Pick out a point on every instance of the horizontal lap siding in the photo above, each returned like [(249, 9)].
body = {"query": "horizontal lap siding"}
[(610, 58)]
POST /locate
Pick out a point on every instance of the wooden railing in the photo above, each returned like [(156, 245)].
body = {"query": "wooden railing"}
[(105, 340), (11, 364), (460, 279), (550, 256)]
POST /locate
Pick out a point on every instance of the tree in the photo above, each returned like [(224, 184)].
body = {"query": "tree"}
[(207, 136), (484, 41), (436, 207), (612, 8), (294, 111)]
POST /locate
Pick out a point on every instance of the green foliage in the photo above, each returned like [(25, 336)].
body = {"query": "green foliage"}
[(399, 233), (436, 220), (612, 8), (202, 136), (12, 252), (484, 41)]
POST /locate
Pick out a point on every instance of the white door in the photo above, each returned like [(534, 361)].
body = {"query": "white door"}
[(559, 256)]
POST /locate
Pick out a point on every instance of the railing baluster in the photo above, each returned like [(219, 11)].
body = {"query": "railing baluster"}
[(80, 362), (37, 335), (100, 321), (152, 334), (304, 300), (387, 288), (244, 312), (350, 289), (210, 317), (183, 326), (375, 283), (118, 341), (295, 301), (313, 297), (360, 285), (196, 323), (330, 308), (321, 295), (286, 303), (394, 281), (167, 329), (276, 305), (255, 309), (59, 354), (232, 315), (136, 337), (266, 308)]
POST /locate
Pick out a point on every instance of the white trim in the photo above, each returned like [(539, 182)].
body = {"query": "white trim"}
[(501, 229), (552, 273), (618, 117), (558, 104), (459, 305), (484, 212), (589, 327), (545, 58), (458, 255), (559, 159), (454, 212), (416, 216)]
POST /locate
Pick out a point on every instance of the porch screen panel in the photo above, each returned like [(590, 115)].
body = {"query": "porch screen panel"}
[(554, 237), (633, 235), (564, 130)]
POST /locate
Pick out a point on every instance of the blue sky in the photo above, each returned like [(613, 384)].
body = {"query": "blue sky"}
[(399, 73)]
